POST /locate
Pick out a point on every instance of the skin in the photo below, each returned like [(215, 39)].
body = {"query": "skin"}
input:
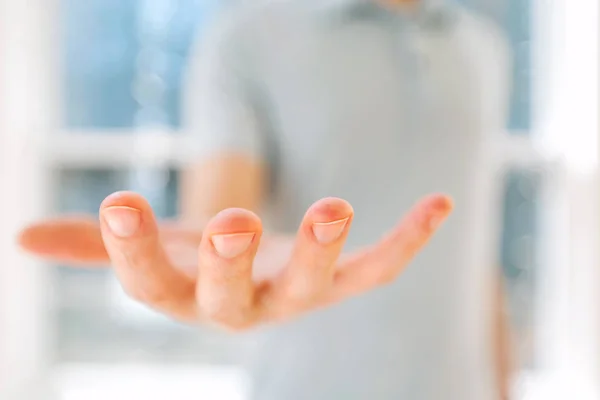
[(208, 275), (504, 356), (175, 267)]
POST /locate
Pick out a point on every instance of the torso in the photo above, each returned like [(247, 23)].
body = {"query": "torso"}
[(381, 112)]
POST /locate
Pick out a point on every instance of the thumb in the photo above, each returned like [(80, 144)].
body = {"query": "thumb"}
[(71, 240)]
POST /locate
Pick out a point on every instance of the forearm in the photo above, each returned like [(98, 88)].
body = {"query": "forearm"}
[(218, 183), (504, 351)]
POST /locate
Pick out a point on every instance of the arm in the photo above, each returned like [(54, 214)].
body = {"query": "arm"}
[(503, 343), (209, 273), (221, 182), (227, 129), (495, 54)]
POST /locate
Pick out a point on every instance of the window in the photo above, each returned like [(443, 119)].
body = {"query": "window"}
[(107, 74), (131, 76)]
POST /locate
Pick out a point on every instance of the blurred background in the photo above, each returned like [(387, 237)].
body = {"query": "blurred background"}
[(106, 75)]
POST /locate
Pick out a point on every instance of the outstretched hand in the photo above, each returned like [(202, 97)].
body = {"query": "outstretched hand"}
[(229, 273)]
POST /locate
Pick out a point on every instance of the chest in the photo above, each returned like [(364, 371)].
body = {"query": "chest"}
[(371, 87)]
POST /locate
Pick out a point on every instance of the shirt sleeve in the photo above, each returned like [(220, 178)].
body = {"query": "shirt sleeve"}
[(220, 110)]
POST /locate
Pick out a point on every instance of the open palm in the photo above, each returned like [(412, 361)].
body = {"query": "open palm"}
[(229, 273)]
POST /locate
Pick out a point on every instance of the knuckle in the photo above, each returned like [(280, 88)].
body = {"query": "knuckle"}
[(303, 292), (215, 314), (296, 294), (385, 276), (234, 320), (238, 326), (149, 294)]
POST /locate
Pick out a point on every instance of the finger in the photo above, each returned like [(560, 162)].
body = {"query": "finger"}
[(72, 240), (132, 241), (78, 240), (225, 290), (319, 242), (382, 263)]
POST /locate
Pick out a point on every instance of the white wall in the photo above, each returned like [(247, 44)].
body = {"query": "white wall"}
[(25, 91)]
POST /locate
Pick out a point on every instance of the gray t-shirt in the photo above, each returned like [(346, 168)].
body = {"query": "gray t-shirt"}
[(343, 98)]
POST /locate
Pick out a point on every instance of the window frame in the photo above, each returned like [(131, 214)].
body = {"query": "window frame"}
[(27, 110)]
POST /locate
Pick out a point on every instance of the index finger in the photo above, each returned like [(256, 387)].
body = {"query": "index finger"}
[(132, 241), (381, 263)]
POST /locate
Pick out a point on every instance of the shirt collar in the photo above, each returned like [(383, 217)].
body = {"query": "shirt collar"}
[(426, 12), (343, 5)]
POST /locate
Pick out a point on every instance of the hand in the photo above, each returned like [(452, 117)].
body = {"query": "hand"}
[(229, 274)]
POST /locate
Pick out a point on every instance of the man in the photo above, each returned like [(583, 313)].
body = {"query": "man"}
[(290, 102)]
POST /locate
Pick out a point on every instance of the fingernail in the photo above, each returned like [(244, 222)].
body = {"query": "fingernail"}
[(232, 245), (327, 232), (123, 221)]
